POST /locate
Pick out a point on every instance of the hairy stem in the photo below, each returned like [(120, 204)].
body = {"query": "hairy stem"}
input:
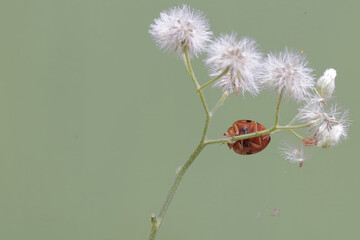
[(156, 221), (215, 79)]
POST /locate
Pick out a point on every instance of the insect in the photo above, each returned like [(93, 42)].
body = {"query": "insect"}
[(250, 145)]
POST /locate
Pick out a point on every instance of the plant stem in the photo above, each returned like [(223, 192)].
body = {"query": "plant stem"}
[(192, 75), (157, 220), (296, 134), (292, 127), (215, 79), (255, 134), (220, 102), (278, 107)]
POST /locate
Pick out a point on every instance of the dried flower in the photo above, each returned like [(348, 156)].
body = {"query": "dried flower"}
[(288, 71), (328, 128), (242, 60), (178, 27), (326, 83)]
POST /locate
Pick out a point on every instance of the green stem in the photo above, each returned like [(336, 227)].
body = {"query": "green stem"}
[(296, 134), (215, 79), (278, 107), (292, 127), (255, 134), (157, 220), (220, 102), (157, 223), (192, 75)]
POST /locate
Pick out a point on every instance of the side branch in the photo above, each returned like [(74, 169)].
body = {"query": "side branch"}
[(192, 75)]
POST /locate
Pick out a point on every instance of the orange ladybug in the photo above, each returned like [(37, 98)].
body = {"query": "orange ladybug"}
[(250, 145)]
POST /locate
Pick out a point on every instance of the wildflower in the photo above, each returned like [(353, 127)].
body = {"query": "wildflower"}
[(326, 83), (178, 27), (328, 128), (241, 59), (291, 153), (288, 71)]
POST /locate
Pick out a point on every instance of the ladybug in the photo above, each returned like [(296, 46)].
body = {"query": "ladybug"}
[(250, 145)]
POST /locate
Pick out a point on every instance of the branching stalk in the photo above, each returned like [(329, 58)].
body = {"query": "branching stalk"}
[(156, 220), (215, 79)]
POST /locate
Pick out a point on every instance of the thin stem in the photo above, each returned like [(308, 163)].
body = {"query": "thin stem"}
[(157, 220), (255, 134), (178, 179), (192, 75), (189, 67), (278, 107), (215, 79), (292, 127), (220, 102), (296, 134)]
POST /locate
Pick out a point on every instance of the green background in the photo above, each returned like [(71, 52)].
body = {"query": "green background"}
[(95, 120)]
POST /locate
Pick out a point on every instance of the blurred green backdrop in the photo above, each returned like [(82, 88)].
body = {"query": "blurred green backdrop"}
[(95, 120)]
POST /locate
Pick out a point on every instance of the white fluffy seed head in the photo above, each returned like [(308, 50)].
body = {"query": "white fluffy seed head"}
[(329, 128), (288, 70), (332, 136), (242, 60), (292, 153), (179, 27), (326, 83)]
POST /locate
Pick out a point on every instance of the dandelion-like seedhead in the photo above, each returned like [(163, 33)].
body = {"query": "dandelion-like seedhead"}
[(242, 60), (288, 71), (329, 128), (331, 137), (181, 27)]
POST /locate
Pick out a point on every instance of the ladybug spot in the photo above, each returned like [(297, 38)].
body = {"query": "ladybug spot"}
[(244, 130), (246, 143)]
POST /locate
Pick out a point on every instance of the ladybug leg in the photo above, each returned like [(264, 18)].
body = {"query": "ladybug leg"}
[(236, 129), (231, 132), (260, 138), (254, 145), (238, 147)]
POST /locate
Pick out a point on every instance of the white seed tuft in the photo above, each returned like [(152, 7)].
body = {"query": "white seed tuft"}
[(182, 27), (288, 71)]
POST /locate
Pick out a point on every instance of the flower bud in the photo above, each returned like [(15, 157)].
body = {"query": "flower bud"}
[(326, 83)]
